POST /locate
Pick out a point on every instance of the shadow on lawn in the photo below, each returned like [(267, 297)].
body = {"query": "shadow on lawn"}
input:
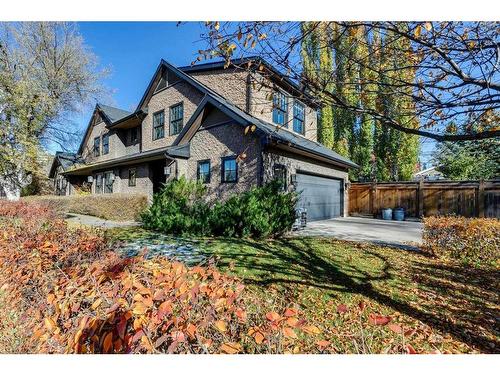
[(455, 299)]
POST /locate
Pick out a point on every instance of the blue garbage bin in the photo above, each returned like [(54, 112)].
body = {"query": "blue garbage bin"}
[(387, 213), (399, 214)]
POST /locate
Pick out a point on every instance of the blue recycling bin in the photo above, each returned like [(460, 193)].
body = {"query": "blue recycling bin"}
[(387, 213), (399, 214)]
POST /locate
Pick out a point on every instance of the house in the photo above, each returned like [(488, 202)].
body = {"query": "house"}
[(428, 174), (229, 127)]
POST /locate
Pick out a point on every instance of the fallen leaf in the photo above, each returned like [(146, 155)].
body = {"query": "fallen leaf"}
[(272, 316), (378, 320), (341, 308), (289, 332), (395, 328), (221, 325), (230, 347)]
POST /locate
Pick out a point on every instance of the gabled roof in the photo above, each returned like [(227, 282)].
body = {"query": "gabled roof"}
[(256, 61), (270, 130), (66, 160), (110, 115), (113, 114)]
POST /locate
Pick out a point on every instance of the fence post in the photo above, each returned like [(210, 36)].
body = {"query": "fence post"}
[(420, 195), (480, 199), (373, 199)]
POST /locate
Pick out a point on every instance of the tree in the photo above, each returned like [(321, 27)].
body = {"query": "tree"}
[(469, 160), (46, 74), (451, 73)]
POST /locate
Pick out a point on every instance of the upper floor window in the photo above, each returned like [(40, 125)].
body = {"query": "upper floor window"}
[(176, 117), (108, 182), (158, 125), (280, 108), (229, 171), (105, 144), (97, 146), (203, 174), (298, 117)]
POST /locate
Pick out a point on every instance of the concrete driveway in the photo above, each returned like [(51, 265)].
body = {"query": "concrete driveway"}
[(408, 233)]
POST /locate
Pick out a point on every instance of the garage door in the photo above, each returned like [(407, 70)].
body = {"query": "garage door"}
[(321, 196)]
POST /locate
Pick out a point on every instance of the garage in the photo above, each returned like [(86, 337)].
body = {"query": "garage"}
[(321, 196)]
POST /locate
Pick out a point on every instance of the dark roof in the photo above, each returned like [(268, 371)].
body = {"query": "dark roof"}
[(256, 61), (271, 130), (112, 113), (132, 158), (66, 160)]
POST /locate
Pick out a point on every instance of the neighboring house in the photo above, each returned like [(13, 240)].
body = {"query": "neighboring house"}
[(230, 128), (428, 174)]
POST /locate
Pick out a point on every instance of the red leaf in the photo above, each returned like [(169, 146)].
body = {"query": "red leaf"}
[(361, 305), (341, 308), (272, 316), (378, 320), (395, 328), (410, 349), (290, 312), (322, 343)]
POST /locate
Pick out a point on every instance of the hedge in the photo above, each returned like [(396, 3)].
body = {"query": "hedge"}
[(119, 207), (475, 240)]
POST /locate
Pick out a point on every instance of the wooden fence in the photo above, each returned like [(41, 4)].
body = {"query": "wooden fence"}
[(427, 198)]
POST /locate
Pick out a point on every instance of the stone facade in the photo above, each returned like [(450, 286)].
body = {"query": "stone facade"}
[(215, 142), (219, 136), (180, 92)]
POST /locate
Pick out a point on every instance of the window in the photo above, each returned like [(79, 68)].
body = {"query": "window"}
[(108, 182), (98, 184), (131, 176), (279, 173), (229, 171), (280, 108), (298, 117), (203, 174), (158, 125), (134, 135), (176, 116), (97, 146), (105, 144)]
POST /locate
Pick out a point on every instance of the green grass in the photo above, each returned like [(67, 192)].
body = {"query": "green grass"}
[(443, 306)]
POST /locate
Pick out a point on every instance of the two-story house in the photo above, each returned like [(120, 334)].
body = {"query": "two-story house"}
[(229, 127)]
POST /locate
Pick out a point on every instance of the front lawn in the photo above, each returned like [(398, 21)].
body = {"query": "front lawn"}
[(349, 290)]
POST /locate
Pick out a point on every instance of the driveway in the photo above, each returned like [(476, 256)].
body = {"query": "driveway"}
[(362, 229)]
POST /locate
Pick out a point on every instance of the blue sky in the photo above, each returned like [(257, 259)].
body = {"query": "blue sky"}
[(132, 51)]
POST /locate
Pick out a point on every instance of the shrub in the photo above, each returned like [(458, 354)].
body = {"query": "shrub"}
[(74, 295), (260, 212), (179, 209), (119, 207), (472, 240)]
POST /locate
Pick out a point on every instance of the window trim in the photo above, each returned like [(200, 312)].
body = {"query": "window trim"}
[(106, 135), (296, 101), (223, 169), (209, 170), (135, 177), (154, 127), (285, 111), (97, 150), (170, 118)]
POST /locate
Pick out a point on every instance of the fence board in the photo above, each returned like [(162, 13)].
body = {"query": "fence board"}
[(464, 198)]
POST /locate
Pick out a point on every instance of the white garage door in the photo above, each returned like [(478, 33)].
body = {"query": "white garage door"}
[(321, 196)]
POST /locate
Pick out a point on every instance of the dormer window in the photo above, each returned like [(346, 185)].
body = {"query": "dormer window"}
[(280, 108), (298, 117)]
